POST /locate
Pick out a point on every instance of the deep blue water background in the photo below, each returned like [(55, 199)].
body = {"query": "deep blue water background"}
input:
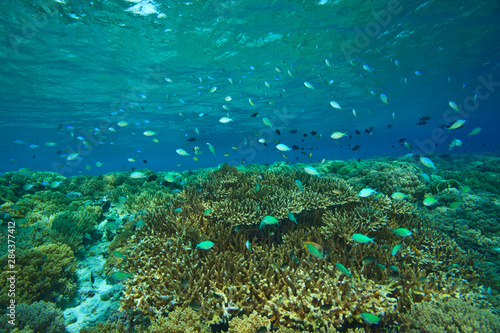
[(91, 64)]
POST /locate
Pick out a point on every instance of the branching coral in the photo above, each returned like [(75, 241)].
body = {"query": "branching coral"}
[(454, 315)]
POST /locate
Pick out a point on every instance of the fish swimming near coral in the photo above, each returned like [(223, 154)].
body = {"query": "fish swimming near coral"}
[(268, 220), (362, 238), (315, 250), (342, 269), (402, 232), (370, 318), (206, 245)]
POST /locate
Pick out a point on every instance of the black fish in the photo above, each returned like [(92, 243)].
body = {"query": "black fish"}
[(59, 127), (256, 114), (144, 161), (92, 279), (277, 131), (293, 131), (367, 131), (421, 122), (425, 118), (304, 135), (295, 147), (314, 132), (356, 147), (357, 132), (402, 140), (192, 139), (389, 126), (152, 177)]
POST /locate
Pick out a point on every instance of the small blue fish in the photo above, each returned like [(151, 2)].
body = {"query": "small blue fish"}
[(248, 245), (178, 210), (268, 220), (291, 217), (206, 245), (395, 249), (403, 232), (362, 238), (299, 185), (311, 171)]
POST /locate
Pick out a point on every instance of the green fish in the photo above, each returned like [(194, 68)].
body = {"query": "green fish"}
[(291, 217), (399, 196), (362, 238), (257, 187), (382, 267), (378, 196), (342, 269), (429, 201), (395, 249), (207, 212), (206, 245), (456, 204), (394, 268), (248, 245), (140, 224), (370, 318), (314, 249), (119, 276), (299, 185), (268, 220), (465, 189), (119, 255), (402, 232)]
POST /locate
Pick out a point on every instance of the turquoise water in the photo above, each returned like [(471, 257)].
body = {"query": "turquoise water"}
[(122, 122), (89, 65)]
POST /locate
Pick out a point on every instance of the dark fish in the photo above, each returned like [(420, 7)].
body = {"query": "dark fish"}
[(92, 279), (389, 126), (59, 151), (295, 147), (304, 135), (421, 123), (314, 132), (59, 127), (195, 306), (192, 139), (106, 206), (367, 131), (371, 128), (256, 114), (152, 177), (293, 131), (277, 131), (356, 147), (402, 140), (425, 118), (357, 132), (144, 161), (198, 188)]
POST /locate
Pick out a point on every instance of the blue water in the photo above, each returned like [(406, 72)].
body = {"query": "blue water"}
[(89, 65)]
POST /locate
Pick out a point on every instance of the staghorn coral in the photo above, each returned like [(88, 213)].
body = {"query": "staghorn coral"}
[(47, 274), (278, 279), (454, 315)]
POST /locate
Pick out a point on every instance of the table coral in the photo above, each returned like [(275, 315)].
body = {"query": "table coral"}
[(278, 278)]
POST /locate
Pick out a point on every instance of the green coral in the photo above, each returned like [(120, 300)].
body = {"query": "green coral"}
[(47, 273), (452, 316)]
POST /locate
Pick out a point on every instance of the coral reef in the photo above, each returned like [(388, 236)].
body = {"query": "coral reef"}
[(179, 321), (454, 315), (278, 278), (47, 274), (38, 317)]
